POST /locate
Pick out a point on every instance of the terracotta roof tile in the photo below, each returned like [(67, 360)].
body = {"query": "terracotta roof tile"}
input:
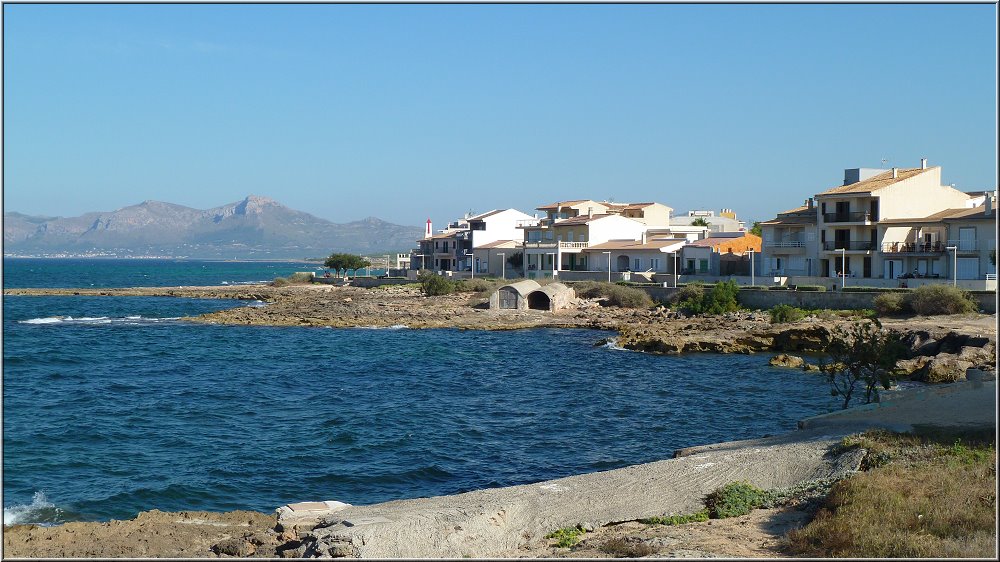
[(876, 182)]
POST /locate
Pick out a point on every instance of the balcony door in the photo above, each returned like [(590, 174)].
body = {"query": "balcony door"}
[(893, 268), (967, 239)]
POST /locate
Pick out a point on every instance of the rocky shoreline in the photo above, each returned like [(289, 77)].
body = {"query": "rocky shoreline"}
[(511, 522)]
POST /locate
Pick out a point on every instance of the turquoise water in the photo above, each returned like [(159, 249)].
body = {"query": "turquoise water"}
[(112, 405)]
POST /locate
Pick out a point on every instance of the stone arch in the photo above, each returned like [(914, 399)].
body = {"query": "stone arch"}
[(623, 263), (538, 300)]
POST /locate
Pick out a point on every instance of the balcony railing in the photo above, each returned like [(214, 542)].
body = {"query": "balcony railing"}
[(523, 223), (562, 245), (786, 244), (785, 272), (913, 247), (860, 216), (849, 246), (965, 245)]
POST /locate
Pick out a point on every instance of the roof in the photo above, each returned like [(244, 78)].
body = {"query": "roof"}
[(654, 244), (562, 204), (714, 241), (486, 214), (582, 219), (876, 182), (553, 289), (948, 214), (498, 244), (799, 215), (523, 287)]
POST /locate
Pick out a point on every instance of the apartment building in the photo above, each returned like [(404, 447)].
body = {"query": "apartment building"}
[(453, 249), (789, 242)]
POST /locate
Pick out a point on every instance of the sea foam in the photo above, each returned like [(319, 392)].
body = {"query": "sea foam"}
[(40, 511)]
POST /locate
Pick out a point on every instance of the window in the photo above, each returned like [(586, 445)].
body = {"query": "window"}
[(654, 264), (637, 264)]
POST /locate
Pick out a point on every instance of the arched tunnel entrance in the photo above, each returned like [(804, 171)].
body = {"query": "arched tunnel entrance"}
[(538, 301)]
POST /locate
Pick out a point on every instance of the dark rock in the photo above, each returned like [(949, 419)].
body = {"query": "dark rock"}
[(943, 368), (234, 547), (810, 338)]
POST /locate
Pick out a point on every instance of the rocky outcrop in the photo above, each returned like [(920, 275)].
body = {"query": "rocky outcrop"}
[(792, 361)]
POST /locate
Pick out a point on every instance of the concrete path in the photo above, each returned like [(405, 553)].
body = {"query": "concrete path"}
[(499, 522)]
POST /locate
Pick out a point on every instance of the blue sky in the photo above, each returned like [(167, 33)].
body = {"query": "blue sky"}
[(406, 112)]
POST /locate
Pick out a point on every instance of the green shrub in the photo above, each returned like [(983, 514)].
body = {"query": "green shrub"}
[(695, 517), (623, 548), (890, 303), (478, 285), (722, 298), (300, 277), (786, 313), (694, 291), (810, 288), (279, 282), (628, 297), (433, 284), (734, 499), (875, 290), (590, 289), (778, 288), (940, 299), (567, 536)]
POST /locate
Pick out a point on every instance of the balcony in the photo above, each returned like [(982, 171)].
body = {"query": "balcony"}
[(913, 248), (861, 216), (786, 247), (560, 245), (849, 246), (526, 223)]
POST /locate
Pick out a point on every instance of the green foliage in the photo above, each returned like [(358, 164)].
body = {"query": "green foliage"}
[(300, 277), (567, 536), (700, 221), (786, 313), (620, 547), (280, 282), (433, 284), (628, 297), (875, 290), (778, 288), (720, 299), (755, 229), (890, 303), (734, 499), (695, 517), (590, 289), (515, 260), (940, 299), (478, 285), (344, 262), (818, 288), (864, 354)]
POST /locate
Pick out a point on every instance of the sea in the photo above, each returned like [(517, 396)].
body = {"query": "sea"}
[(115, 405)]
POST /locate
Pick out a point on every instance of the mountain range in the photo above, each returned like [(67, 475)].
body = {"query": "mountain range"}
[(254, 228)]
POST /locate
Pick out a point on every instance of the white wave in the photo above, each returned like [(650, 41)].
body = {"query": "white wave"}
[(257, 304), (49, 320), (612, 343), (393, 327), (39, 509)]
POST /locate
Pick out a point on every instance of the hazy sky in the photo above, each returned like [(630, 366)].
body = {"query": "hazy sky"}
[(406, 112)]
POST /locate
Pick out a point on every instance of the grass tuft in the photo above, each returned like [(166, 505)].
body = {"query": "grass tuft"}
[(567, 536)]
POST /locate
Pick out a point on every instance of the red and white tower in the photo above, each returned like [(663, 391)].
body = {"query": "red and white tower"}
[(427, 233)]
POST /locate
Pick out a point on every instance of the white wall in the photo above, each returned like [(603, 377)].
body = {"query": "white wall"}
[(501, 226), (613, 227)]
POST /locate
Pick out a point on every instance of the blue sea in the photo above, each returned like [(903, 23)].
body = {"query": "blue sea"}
[(113, 405)]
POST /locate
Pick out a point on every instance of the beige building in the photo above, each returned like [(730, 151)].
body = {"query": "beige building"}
[(789, 243), (654, 255)]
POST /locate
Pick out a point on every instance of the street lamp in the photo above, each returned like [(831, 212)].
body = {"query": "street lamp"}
[(503, 266), (609, 265), (751, 267), (387, 265), (954, 265), (674, 256), (843, 266)]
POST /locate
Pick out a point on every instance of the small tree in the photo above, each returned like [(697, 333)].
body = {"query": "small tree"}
[(515, 260), (700, 221), (863, 354), (755, 229), (345, 262)]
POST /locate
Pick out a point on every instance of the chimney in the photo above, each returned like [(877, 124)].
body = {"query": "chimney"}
[(643, 236), (923, 163), (895, 173), (427, 233), (809, 203), (590, 212), (989, 205)]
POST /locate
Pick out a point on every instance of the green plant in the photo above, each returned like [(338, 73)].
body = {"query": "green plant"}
[(695, 517), (864, 354), (300, 277), (890, 303), (433, 284), (700, 221), (819, 288), (279, 282), (755, 229), (940, 299), (567, 536), (719, 299), (628, 297), (734, 499), (345, 262), (477, 285), (786, 313)]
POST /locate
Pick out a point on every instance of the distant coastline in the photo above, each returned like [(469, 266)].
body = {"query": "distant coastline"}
[(236, 260)]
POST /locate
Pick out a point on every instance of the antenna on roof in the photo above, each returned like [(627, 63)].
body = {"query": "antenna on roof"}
[(884, 162)]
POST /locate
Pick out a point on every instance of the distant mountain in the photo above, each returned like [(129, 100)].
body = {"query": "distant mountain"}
[(256, 227)]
